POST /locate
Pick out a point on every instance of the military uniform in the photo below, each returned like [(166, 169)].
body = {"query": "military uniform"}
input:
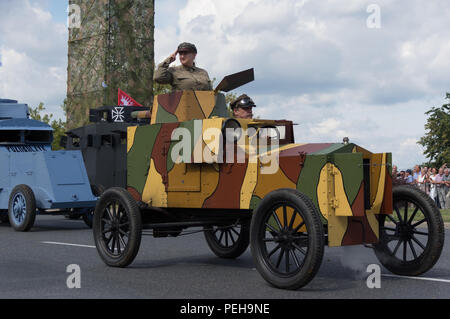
[(182, 77)]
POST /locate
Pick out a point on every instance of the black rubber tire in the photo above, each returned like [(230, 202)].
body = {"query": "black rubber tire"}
[(88, 216), (25, 193), (315, 239), (132, 213), (436, 234), (237, 247)]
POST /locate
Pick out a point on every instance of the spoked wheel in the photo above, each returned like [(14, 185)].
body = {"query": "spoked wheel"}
[(287, 239), (228, 242), (117, 227), (22, 208), (412, 238)]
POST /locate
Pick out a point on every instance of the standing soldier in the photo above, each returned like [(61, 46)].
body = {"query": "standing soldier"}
[(185, 76)]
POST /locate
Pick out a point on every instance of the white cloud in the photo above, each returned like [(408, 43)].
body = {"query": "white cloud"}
[(316, 62), (30, 82), (326, 127), (34, 56)]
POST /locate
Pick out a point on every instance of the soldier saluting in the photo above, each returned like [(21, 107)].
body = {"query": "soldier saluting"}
[(185, 76)]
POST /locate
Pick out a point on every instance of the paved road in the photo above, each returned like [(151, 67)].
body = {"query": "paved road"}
[(182, 267)]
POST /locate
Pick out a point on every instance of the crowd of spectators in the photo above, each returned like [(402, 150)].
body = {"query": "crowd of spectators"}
[(433, 181)]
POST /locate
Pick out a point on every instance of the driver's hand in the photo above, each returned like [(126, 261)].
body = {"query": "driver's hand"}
[(173, 56)]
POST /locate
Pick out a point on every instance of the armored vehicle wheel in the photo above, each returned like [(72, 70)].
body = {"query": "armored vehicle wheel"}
[(228, 242), (287, 239), (412, 238), (88, 216), (117, 227), (22, 208)]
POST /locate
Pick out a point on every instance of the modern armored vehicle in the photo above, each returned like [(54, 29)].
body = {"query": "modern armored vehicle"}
[(34, 178), (246, 181)]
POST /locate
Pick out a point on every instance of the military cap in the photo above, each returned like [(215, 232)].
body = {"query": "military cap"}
[(242, 101), (185, 46)]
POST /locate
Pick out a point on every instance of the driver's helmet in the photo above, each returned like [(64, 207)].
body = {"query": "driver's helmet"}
[(242, 101)]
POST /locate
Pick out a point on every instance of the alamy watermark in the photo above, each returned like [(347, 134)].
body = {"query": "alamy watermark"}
[(374, 279), (227, 145), (374, 19), (74, 16), (74, 279)]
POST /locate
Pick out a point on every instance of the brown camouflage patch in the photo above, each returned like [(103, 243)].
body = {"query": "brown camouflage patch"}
[(358, 203), (359, 232), (387, 204), (161, 150), (169, 102), (134, 193), (292, 165), (228, 191)]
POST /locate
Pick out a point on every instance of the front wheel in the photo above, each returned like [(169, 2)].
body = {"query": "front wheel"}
[(228, 242), (287, 239), (412, 238), (117, 227), (22, 208)]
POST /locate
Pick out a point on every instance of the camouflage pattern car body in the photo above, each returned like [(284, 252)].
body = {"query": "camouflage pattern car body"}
[(348, 184)]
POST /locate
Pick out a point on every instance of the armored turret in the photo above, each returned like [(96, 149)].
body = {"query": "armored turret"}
[(19, 133)]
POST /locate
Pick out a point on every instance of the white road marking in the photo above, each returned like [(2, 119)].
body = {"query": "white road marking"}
[(418, 278), (66, 244)]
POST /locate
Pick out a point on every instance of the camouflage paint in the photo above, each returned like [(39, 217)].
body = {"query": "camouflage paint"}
[(113, 46), (330, 174), (181, 106)]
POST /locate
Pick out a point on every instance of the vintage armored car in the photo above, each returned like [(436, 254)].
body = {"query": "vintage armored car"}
[(35, 179), (246, 181)]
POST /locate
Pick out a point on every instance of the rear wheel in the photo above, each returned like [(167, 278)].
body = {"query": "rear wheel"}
[(287, 239), (228, 242), (22, 208), (412, 238), (117, 227)]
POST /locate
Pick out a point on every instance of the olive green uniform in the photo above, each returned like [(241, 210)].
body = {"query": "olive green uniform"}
[(182, 77)]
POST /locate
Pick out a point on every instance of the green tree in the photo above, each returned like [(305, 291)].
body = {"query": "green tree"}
[(58, 126), (161, 88), (230, 97), (436, 141)]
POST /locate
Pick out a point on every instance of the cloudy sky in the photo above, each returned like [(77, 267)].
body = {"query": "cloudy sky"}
[(368, 70)]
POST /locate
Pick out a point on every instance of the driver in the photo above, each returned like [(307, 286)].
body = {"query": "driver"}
[(242, 107)]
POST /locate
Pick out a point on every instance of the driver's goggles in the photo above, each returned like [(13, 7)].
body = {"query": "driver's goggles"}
[(246, 102)]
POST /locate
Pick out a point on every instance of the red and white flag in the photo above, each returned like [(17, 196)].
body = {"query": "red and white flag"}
[(125, 100)]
